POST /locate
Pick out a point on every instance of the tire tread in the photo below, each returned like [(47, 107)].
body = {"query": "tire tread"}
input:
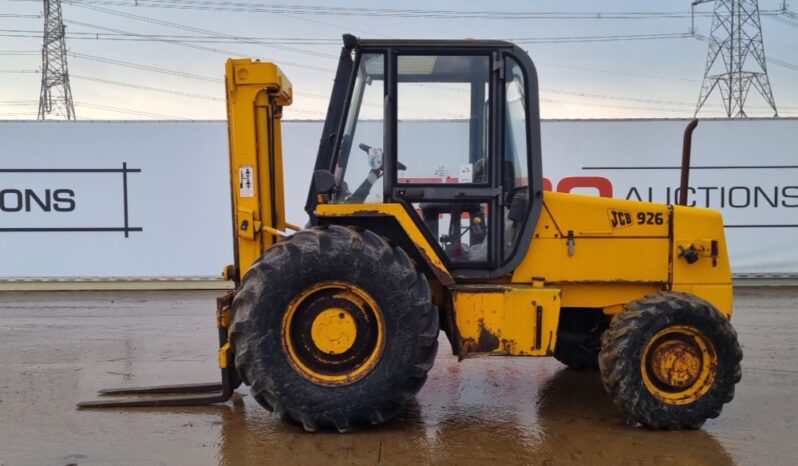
[(371, 251), (619, 361)]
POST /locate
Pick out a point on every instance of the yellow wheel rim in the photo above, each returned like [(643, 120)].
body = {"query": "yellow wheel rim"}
[(333, 333), (678, 365)]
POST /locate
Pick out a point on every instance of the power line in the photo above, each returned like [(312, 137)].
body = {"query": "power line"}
[(587, 38), (610, 38), (787, 21), (12, 15), (188, 28), (614, 97), (207, 97), (687, 109), (685, 106), (148, 88), (621, 73), (324, 97), (618, 97), (200, 47), (194, 39), (18, 102), (153, 89), (220, 37), (302, 111), (348, 29), (183, 74), (127, 111), (772, 60), (186, 94), (250, 7), (782, 63), (155, 69), (176, 38), (20, 52)]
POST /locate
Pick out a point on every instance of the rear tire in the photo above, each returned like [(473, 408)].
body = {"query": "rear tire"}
[(670, 361), (343, 382)]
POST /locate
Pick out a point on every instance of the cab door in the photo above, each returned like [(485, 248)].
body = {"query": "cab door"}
[(460, 140), (443, 104)]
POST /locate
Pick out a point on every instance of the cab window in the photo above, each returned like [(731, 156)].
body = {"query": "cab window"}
[(441, 128)]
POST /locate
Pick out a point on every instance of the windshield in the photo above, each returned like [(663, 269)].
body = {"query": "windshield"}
[(358, 172)]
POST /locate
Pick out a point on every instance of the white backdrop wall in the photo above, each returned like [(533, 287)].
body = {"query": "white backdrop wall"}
[(65, 188)]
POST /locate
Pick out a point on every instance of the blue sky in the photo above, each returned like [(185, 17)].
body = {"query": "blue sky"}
[(618, 79)]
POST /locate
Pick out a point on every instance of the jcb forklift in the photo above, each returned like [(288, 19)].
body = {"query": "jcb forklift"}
[(427, 212)]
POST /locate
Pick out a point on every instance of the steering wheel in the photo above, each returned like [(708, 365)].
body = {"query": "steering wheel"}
[(375, 155)]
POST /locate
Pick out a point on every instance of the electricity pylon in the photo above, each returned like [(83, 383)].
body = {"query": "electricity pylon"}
[(736, 57), (55, 98)]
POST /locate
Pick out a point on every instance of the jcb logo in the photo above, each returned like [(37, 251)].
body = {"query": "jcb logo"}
[(619, 218)]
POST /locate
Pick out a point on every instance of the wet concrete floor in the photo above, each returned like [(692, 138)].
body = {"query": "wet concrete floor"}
[(58, 348)]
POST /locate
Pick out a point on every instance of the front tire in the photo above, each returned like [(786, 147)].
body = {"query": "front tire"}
[(334, 327), (670, 361)]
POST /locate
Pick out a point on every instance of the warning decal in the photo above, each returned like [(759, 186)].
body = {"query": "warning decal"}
[(245, 181)]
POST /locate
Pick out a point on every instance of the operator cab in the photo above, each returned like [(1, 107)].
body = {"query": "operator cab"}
[(447, 129)]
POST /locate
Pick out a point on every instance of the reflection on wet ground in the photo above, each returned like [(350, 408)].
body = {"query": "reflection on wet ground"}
[(542, 414), (58, 348)]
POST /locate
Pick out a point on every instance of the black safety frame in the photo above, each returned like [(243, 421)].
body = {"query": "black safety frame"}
[(406, 193)]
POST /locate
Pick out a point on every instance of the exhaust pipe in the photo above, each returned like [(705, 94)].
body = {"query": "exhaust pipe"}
[(686, 146)]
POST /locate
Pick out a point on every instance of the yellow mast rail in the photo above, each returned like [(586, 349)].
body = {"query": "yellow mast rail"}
[(256, 95)]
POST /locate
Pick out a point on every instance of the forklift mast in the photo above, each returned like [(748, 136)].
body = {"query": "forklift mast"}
[(256, 95)]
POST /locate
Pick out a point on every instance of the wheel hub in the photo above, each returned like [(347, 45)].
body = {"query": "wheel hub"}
[(334, 330), (676, 363)]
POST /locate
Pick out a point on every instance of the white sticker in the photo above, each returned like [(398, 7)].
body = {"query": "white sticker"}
[(246, 186), (440, 172), (466, 173)]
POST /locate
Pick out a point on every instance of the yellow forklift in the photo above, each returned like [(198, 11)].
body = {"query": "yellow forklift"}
[(427, 212)]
